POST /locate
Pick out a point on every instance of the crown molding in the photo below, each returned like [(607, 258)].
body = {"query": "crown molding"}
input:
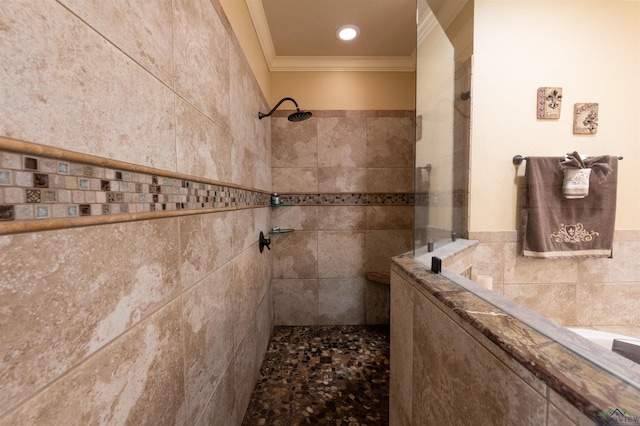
[(256, 11), (320, 63), (426, 24), (343, 63)]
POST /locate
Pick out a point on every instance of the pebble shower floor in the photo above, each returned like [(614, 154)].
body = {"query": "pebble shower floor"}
[(323, 375)]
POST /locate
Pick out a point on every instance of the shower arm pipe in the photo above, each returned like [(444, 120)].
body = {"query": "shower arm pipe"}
[(262, 115), (518, 159)]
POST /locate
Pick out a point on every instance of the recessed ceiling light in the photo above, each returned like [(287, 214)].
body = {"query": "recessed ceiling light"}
[(347, 32)]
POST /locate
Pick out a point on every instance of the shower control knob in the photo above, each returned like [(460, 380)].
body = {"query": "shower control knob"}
[(264, 242)]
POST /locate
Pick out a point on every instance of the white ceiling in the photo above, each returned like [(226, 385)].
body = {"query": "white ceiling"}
[(299, 35)]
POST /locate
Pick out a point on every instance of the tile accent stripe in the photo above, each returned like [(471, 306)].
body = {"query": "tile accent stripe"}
[(392, 199), (44, 188), (93, 191)]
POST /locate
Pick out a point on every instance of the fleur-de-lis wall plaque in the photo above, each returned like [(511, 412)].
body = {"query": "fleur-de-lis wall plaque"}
[(585, 119), (549, 102)]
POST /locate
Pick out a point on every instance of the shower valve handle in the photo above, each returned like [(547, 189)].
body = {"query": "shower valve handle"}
[(264, 242)]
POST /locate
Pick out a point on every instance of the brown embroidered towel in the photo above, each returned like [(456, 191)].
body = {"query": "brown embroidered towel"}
[(555, 227)]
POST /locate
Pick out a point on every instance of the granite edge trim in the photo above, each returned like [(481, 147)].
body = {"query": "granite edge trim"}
[(532, 357)]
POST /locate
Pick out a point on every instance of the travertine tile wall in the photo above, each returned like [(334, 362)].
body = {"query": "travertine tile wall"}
[(599, 293), (155, 321), (349, 175)]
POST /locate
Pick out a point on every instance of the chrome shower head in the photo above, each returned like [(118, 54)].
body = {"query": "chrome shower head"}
[(298, 115)]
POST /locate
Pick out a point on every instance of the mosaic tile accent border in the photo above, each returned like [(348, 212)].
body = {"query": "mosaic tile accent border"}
[(395, 199), (80, 187), (33, 187)]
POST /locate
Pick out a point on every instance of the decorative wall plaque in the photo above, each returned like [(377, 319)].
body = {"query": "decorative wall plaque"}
[(549, 102), (585, 119)]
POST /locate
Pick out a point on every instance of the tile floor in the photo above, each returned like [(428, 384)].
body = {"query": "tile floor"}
[(323, 375)]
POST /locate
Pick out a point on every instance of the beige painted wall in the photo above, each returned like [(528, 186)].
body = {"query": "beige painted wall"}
[(589, 48), (346, 90)]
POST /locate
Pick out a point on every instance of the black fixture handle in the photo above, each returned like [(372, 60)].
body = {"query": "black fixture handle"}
[(436, 265), (264, 242), (261, 115)]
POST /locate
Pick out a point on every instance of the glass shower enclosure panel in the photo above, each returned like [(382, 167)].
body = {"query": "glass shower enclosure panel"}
[(442, 134)]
